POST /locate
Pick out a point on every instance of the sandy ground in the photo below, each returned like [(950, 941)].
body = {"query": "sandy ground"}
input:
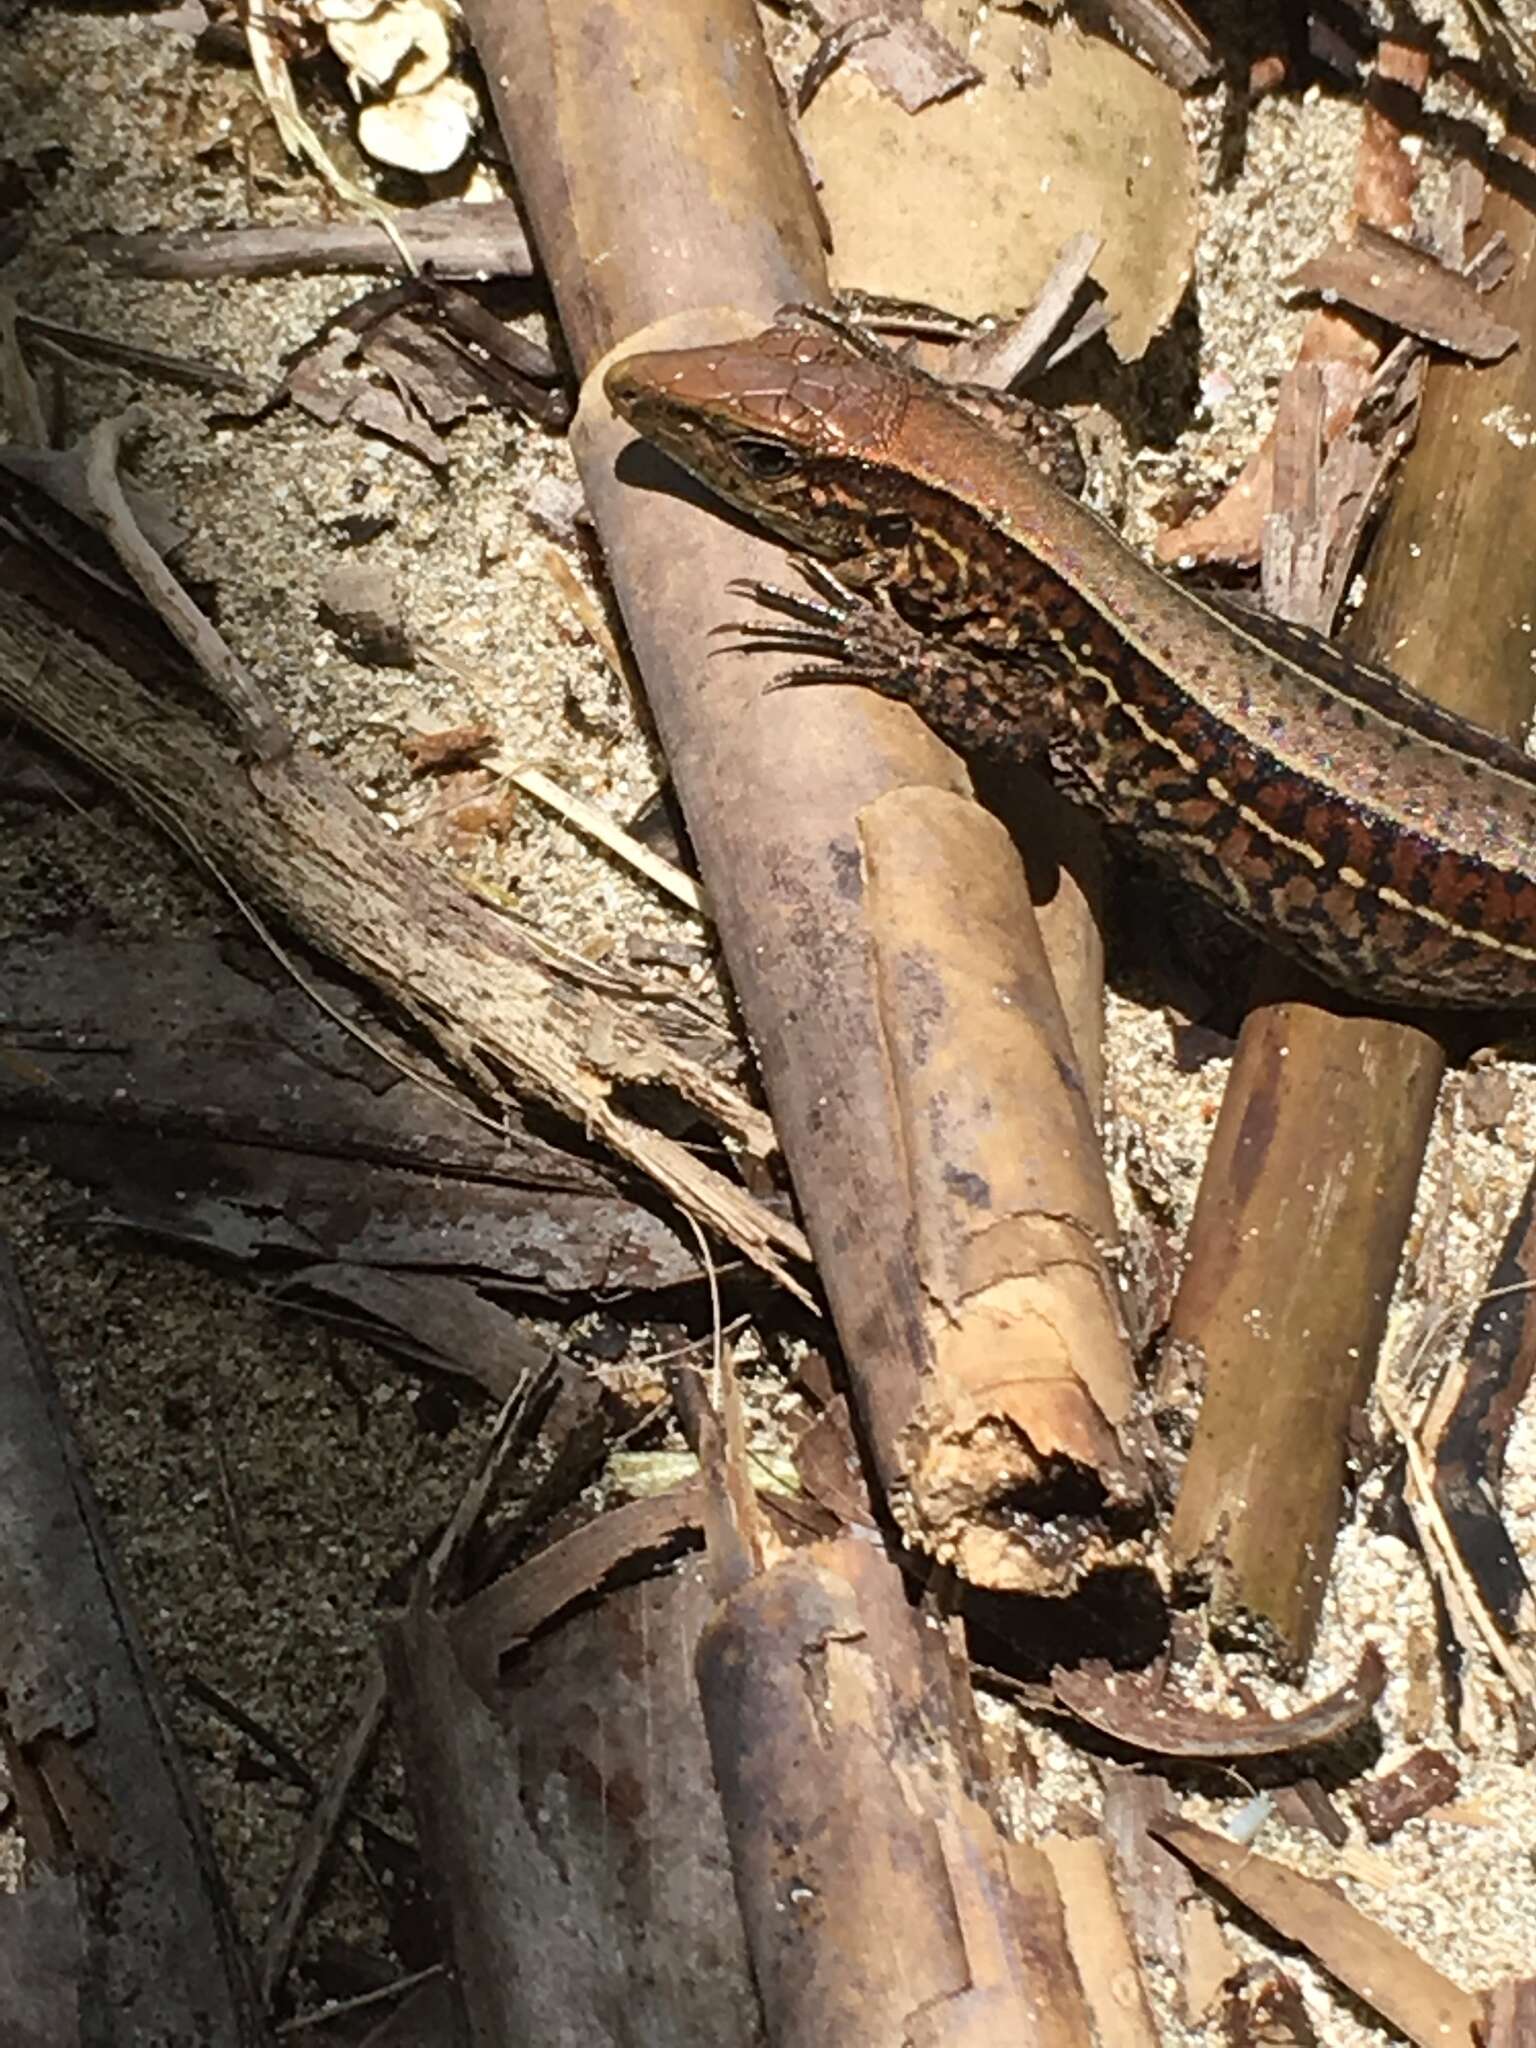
[(264, 1478)]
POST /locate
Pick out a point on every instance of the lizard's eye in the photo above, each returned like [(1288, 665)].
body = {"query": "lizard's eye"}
[(767, 461)]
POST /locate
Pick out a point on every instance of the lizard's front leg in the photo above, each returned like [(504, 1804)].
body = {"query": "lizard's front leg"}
[(977, 703)]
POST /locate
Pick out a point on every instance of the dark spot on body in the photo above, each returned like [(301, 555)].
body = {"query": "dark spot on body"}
[(972, 1188), (847, 871)]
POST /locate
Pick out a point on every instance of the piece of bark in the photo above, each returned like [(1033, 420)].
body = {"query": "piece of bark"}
[(1386, 177), (1107, 1966), (1379, 1969), (774, 789), (130, 1068), (1307, 1806), (910, 59), (1162, 31), (1148, 1716), (1460, 517), (1016, 350), (1326, 1115), (1511, 2014), (451, 239), (1032, 1385), (827, 1466), (1409, 289), (407, 360), (41, 1963), (1326, 487), (834, 46), (1465, 1432), (1263, 2008), (567, 1811), (1173, 1925), (492, 998), (1427, 1779), (100, 1786), (493, 1624), (843, 1750)]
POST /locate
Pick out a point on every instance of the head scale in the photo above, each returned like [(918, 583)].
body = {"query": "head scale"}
[(769, 424)]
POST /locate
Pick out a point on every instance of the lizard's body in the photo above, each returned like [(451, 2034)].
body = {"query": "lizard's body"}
[(1388, 843)]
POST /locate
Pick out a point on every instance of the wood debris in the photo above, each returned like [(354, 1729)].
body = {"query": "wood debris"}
[(907, 57), (1145, 1716), (407, 361), (1386, 177), (320, 1167), (1262, 2008), (1099, 1942), (1174, 1926), (451, 239), (1511, 2014), (1424, 1781), (1408, 288), (171, 763), (102, 1792), (1337, 1103), (1306, 1806), (1378, 1968), (557, 1712), (1465, 1429), (1169, 36)]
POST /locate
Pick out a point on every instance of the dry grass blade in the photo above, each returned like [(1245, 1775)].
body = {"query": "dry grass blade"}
[(588, 818)]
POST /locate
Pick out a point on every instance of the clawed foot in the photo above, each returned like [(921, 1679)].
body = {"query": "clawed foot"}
[(836, 635)]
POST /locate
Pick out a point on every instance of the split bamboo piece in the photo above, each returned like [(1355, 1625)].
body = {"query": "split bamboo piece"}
[(658, 175), (880, 1901)]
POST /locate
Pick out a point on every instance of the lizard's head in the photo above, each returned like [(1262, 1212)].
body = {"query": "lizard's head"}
[(786, 427)]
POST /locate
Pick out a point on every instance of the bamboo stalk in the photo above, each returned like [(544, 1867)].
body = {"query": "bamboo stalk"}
[(658, 142)]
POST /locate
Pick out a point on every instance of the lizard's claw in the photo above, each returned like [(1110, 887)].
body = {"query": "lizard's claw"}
[(837, 635)]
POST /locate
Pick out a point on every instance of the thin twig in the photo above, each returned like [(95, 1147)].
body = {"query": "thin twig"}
[(327, 2013), (81, 344), (262, 731), (588, 818), (325, 1818), (298, 137), (1439, 1540), (18, 387)]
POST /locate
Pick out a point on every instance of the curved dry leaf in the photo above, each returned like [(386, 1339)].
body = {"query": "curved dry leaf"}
[(426, 131), (347, 10), (966, 204), (405, 45)]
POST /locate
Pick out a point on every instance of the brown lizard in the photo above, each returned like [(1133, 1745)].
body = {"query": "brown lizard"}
[(1348, 820)]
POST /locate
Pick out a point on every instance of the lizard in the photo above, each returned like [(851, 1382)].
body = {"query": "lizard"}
[(1386, 843)]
